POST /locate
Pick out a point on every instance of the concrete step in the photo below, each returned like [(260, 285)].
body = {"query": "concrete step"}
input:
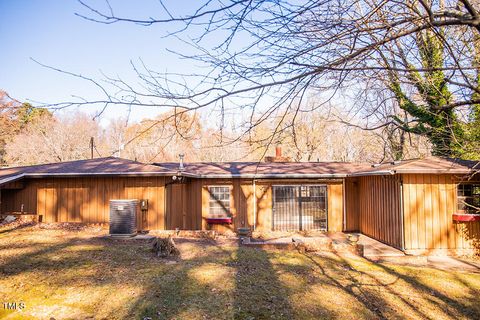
[(303, 244), (376, 250), (411, 260)]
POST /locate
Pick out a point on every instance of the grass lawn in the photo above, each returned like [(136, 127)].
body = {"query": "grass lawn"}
[(64, 274)]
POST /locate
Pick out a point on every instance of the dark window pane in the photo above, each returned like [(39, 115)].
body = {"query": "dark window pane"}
[(468, 198)]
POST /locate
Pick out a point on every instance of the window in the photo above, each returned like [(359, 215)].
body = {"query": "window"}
[(468, 198), (219, 203)]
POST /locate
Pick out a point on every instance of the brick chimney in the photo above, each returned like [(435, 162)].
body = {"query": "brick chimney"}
[(278, 152), (278, 156)]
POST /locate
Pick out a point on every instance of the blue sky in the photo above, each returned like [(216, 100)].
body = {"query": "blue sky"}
[(50, 32)]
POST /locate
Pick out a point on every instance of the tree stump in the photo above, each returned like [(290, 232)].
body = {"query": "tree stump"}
[(164, 247)]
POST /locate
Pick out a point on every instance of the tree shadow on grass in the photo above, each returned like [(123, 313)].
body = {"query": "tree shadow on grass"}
[(258, 292), (449, 306), (256, 289), (365, 292), (195, 287), (223, 283), (36, 260), (218, 281), (341, 270)]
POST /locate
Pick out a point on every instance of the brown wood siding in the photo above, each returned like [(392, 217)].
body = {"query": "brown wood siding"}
[(87, 199), (242, 203), (17, 184), (380, 209), (195, 204), (429, 203), (352, 205), (13, 199), (174, 206), (335, 207), (188, 204), (185, 205)]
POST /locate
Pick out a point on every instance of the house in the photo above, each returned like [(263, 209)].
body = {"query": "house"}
[(419, 206)]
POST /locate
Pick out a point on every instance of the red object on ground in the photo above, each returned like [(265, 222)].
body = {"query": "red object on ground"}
[(466, 217), (219, 220)]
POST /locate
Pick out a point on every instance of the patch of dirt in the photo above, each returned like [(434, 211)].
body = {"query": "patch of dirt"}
[(16, 224), (73, 226)]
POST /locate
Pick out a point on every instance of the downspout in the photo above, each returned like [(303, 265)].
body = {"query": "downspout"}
[(344, 207), (254, 204), (402, 216)]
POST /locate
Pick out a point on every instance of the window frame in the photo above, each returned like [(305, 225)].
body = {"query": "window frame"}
[(461, 197), (227, 213)]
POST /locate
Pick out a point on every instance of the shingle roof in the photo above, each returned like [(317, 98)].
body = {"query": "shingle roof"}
[(98, 166), (432, 165), (122, 167), (267, 169)]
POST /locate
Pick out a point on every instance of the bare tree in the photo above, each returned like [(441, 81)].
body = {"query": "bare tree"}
[(54, 139), (15, 117), (270, 55), (159, 139), (312, 136)]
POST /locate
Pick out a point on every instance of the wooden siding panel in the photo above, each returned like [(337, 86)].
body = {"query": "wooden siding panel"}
[(175, 204), (414, 211), (264, 207), (442, 214), (69, 200), (352, 205), (50, 210), (435, 242), (148, 194), (406, 212), (12, 199), (85, 199), (335, 207), (421, 210), (451, 197), (379, 204), (41, 197), (432, 200), (429, 216), (18, 184)]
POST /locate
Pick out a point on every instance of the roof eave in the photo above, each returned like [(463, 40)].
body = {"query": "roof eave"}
[(373, 173), (435, 171), (412, 171), (268, 176), (82, 174), (11, 179)]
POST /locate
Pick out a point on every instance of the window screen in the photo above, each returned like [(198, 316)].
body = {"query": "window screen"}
[(468, 198), (219, 203)]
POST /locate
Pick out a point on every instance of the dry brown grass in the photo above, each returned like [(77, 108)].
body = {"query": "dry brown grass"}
[(77, 274)]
